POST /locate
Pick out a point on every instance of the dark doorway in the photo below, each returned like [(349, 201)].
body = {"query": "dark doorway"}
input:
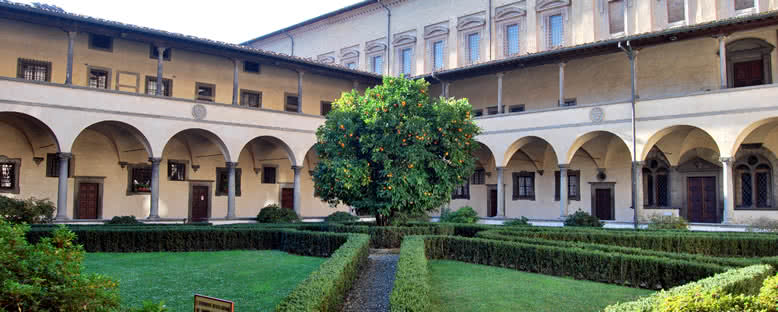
[(287, 198), (603, 209), (88, 197), (749, 73), (200, 202), (701, 193), (491, 204)]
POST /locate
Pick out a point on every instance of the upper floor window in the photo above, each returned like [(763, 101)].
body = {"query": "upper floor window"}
[(350, 57), (616, 17), (292, 103), (34, 70), (98, 78), (407, 59), (438, 54), (151, 86), (205, 92), (470, 32), (377, 63), (154, 53), (251, 67), (473, 48), (741, 5), (250, 98), (351, 65), (556, 31), (100, 42), (512, 39), (676, 12)]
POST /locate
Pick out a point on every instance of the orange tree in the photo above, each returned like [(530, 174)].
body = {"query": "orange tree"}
[(394, 150)]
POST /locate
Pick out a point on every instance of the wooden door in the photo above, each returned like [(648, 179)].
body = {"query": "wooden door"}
[(602, 202), (287, 198), (701, 199), (88, 200), (749, 73), (200, 202), (492, 203)]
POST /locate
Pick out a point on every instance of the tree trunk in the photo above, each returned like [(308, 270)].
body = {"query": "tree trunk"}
[(381, 220)]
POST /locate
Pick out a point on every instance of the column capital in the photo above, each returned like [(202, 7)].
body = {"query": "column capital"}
[(500, 75), (726, 160), (300, 72), (297, 168), (155, 160), (231, 164), (639, 163), (564, 166), (562, 64), (161, 48), (500, 168), (721, 37), (72, 34), (65, 155)]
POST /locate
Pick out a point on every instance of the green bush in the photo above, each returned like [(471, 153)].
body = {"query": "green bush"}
[(384, 236), (523, 221), (743, 281), (581, 218), (401, 218), (30, 211), (47, 276), (411, 284), (123, 220), (325, 288), (465, 215), (768, 295), (657, 222), (340, 217), (274, 214)]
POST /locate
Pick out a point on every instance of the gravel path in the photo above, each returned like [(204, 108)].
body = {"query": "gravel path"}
[(374, 285)]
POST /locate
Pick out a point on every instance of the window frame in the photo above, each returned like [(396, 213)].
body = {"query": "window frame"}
[(322, 105), (287, 96), (462, 191), (350, 55), (92, 46), (21, 62), (570, 102), (435, 33), (624, 8), (562, 9), (107, 72), (467, 26), (682, 22), (246, 65), (479, 176), (168, 90), (244, 92), (211, 98), (517, 178), (753, 170), (225, 171), (17, 167), (185, 171), (746, 11), (131, 189), (651, 196), (52, 165), (571, 175), (264, 174), (374, 49)]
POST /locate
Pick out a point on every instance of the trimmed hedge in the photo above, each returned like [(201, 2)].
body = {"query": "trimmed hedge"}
[(325, 289), (745, 281), (630, 270), (411, 290), (383, 236)]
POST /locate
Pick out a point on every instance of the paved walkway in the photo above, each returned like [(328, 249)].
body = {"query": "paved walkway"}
[(374, 285)]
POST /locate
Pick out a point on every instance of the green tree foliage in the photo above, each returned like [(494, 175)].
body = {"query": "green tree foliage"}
[(28, 211), (394, 149)]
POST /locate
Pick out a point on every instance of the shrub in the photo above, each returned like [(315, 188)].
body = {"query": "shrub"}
[(403, 218), (28, 211), (123, 220), (47, 276), (384, 236), (411, 284), (581, 218), (274, 214), (768, 295), (465, 215), (523, 221), (341, 216), (659, 222), (763, 224)]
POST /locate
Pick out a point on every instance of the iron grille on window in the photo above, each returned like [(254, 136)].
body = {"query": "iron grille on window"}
[(492, 110), (437, 55), (176, 170), (292, 103), (762, 189), (251, 99), (656, 180), (151, 86), (754, 184), (512, 40), (745, 182), (662, 190), (478, 112), (141, 179), (649, 187), (269, 175), (34, 70), (556, 32), (98, 79), (462, 191), (7, 176), (479, 176), (516, 108), (473, 47)]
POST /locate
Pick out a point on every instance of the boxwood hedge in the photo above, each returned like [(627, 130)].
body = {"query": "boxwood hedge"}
[(411, 290)]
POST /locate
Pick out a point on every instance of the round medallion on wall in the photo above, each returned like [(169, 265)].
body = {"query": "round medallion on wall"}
[(199, 111), (596, 115)]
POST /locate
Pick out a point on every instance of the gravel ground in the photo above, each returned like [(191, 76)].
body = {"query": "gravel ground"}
[(374, 285)]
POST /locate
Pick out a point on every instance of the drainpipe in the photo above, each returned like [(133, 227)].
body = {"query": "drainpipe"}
[(631, 55), (388, 36), (291, 39)]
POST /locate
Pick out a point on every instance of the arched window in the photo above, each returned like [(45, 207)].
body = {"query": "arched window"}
[(748, 63), (753, 182), (656, 182)]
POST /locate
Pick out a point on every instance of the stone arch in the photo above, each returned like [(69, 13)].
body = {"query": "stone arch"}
[(675, 141), (120, 134), (760, 131), (521, 142), (585, 138), (208, 136), (269, 139), (36, 134)]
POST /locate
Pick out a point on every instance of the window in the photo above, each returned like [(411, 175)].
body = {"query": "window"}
[(223, 183), (473, 48), (479, 176), (34, 70), (378, 64), (326, 107), (52, 165), (616, 16), (556, 31), (9, 175), (251, 67), (438, 62), (744, 4), (656, 181), (98, 78), (269, 175), (100, 42), (154, 54), (351, 65), (491, 110), (524, 185), (675, 11), (516, 108), (573, 185), (407, 60), (292, 103), (205, 92), (478, 112), (140, 179), (753, 183), (151, 86), (462, 191), (250, 98), (176, 170), (512, 40)]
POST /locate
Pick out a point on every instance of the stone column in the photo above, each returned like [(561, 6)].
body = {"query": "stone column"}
[(235, 90), (296, 170), (355, 85), (500, 191), (447, 85), (563, 191), (562, 83), (639, 200), (728, 191), (500, 109), (154, 211), (231, 189), (687, 12), (62, 187), (69, 69), (300, 74), (160, 59), (723, 60)]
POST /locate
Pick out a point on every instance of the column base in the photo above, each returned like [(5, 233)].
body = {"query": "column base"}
[(153, 218), (61, 218)]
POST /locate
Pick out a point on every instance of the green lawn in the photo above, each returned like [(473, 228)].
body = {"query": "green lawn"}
[(459, 286), (254, 280)]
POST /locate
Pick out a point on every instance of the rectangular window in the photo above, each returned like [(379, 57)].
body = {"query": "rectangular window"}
[(176, 170), (292, 103), (616, 16), (100, 42), (34, 70), (52, 165), (744, 4), (251, 67), (479, 176), (205, 92), (675, 11), (569, 102), (524, 185), (326, 107), (491, 110), (407, 58), (437, 55), (351, 65), (573, 185), (154, 53), (151, 86), (140, 179), (556, 31), (98, 78), (269, 175), (462, 191), (7, 176), (512, 40), (516, 108), (378, 64), (251, 98), (473, 48), (478, 112), (223, 183)]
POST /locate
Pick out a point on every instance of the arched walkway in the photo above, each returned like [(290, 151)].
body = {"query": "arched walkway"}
[(754, 172), (29, 151), (269, 171)]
